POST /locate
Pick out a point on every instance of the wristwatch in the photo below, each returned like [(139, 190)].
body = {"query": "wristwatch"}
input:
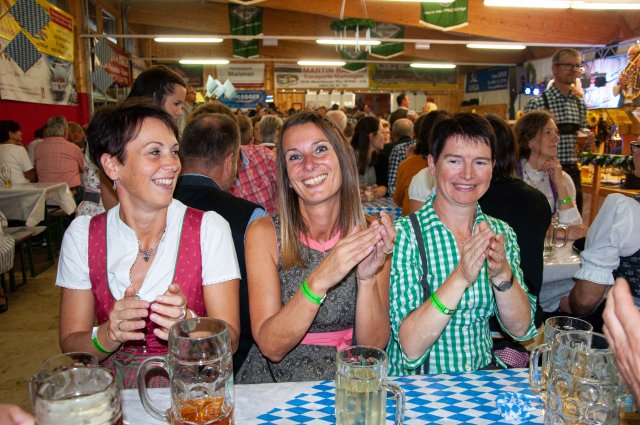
[(503, 286)]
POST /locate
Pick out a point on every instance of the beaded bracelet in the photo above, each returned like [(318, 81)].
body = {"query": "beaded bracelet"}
[(435, 301), (308, 294), (565, 200)]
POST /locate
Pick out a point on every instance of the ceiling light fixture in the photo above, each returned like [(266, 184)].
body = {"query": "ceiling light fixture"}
[(321, 63), (568, 4), (603, 5), (497, 46), (204, 61), (423, 1), (538, 4), (348, 42), (187, 40), (432, 65)]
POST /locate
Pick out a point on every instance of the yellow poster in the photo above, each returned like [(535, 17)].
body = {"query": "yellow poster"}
[(48, 28)]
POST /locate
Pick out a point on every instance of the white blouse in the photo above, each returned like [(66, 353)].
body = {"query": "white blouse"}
[(613, 234), (540, 180), (422, 185), (219, 262)]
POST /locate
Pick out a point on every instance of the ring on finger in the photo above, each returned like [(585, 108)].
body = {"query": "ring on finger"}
[(388, 252), (183, 313), (120, 325)]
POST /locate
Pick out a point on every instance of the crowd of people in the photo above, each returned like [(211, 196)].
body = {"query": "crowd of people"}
[(204, 216)]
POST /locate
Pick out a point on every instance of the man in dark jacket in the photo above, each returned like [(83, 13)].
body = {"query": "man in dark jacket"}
[(209, 152)]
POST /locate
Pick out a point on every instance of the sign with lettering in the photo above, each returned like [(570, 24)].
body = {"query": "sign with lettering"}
[(242, 75), (118, 64), (245, 99), (403, 77), (488, 80), (36, 64), (318, 77)]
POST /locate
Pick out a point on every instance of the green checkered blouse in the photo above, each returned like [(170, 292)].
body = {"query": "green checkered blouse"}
[(465, 344)]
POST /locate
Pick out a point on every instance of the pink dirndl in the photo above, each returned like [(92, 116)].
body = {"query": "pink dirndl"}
[(125, 361)]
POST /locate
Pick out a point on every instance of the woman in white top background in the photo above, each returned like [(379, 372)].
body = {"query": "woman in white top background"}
[(538, 137), (13, 154)]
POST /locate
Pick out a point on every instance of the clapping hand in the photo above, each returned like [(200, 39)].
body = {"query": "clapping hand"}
[(372, 263), (126, 318), (167, 309), (497, 263), (621, 329), (474, 252)]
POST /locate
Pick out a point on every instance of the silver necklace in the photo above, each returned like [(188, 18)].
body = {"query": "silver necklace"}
[(147, 253)]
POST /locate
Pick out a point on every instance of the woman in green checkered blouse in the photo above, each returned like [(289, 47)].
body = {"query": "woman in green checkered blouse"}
[(473, 263)]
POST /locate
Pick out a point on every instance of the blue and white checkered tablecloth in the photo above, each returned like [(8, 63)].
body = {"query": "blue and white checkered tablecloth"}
[(385, 204), (447, 399)]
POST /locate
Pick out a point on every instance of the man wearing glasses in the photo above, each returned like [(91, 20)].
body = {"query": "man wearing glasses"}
[(569, 111)]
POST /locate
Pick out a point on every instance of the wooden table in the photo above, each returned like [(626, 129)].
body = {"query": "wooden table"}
[(597, 189)]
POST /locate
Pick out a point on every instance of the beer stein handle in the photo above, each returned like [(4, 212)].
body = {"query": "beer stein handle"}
[(399, 395), (534, 372), (566, 235), (141, 377)]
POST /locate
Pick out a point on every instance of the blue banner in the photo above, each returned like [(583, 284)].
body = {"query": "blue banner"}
[(246, 99), (488, 80)]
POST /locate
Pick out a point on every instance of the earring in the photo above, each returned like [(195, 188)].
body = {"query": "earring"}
[(115, 185)]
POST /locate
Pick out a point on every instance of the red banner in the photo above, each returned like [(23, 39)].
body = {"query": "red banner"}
[(118, 66)]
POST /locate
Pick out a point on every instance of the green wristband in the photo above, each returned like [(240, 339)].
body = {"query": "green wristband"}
[(565, 200), (96, 344), (308, 294), (435, 301)]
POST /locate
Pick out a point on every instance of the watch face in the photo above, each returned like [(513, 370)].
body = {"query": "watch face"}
[(504, 285)]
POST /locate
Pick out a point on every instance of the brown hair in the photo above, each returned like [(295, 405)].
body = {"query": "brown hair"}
[(528, 127), (292, 222)]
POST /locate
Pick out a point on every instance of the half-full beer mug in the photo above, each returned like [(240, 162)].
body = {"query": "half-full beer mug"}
[(200, 372), (78, 396), (361, 387), (57, 364)]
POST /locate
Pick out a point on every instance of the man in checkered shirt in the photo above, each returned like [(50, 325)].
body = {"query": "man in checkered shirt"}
[(569, 111)]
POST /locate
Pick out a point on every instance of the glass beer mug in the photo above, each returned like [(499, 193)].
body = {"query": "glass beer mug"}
[(200, 372), (78, 396), (361, 388), (583, 385), (551, 239), (552, 327), (57, 364)]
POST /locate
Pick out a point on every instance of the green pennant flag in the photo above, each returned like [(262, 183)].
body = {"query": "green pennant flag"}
[(445, 16), (354, 55), (388, 49), (245, 20)]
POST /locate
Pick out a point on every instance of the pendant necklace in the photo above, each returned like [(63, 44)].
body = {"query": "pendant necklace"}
[(147, 253)]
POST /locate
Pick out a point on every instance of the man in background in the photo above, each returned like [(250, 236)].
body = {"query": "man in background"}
[(59, 160), (209, 153), (401, 135), (569, 111)]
